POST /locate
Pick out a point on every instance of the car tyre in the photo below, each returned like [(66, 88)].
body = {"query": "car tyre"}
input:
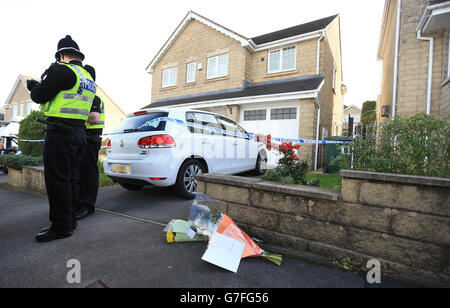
[(130, 186), (186, 184), (261, 165)]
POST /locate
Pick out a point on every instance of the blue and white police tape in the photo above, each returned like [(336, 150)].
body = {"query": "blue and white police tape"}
[(155, 123)]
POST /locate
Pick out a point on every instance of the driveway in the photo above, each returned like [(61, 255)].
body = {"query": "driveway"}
[(123, 245)]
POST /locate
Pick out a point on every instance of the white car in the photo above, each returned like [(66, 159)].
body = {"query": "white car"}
[(170, 146)]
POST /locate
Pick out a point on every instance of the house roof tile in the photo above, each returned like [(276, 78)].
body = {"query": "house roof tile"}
[(294, 31), (293, 85)]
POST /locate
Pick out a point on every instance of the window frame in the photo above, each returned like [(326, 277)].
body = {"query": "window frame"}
[(258, 113), (239, 129), (15, 110), (280, 68), (194, 64), (216, 66), (194, 130), (170, 70), (283, 113)]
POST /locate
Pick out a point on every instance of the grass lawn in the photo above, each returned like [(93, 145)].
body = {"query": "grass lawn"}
[(331, 181)]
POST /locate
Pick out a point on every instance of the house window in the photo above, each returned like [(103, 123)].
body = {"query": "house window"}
[(169, 77), (29, 108), (190, 72), (217, 66), (254, 115), (281, 60), (21, 110), (15, 108), (283, 114)]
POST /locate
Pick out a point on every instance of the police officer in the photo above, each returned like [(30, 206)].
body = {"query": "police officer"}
[(89, 168), (65, 93)]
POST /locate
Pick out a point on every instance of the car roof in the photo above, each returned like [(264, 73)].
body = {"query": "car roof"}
[(169, 109)]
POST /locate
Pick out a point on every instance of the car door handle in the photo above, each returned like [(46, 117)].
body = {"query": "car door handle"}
[(235, 144), (206, 142)]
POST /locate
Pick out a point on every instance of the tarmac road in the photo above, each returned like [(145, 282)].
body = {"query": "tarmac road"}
[(124, 251)]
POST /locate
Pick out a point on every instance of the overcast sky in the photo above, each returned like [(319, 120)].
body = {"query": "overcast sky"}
[(120, 38)]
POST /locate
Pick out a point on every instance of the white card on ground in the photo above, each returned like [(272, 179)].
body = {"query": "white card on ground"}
[(224, 251)]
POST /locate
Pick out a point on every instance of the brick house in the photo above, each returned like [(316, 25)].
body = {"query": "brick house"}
[(353, 112), (414, 48), (274, 84), (19, 104)]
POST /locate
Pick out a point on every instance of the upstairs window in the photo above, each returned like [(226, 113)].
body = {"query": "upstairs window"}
[(15, 108), (217, 66), (190, 72), (29, 108), (169, 77), (281, 60)]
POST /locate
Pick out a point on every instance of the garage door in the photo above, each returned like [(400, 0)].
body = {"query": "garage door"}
[(278, 121)]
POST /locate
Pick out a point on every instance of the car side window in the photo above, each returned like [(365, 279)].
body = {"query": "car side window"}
[(204, 119), (190, 117), (231, 126)]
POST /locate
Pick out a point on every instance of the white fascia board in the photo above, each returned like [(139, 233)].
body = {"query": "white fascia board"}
[(287, 41), (191, 15), (8, 100), (430, 11), (252, 100)]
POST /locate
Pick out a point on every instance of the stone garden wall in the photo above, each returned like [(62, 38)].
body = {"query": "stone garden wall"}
[(403, 221)]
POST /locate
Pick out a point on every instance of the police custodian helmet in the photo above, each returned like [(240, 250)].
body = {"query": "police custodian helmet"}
[(68, 43)]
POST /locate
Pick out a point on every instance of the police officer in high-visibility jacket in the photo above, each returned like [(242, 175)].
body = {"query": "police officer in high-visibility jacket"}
[(89, 168), (65, 93)]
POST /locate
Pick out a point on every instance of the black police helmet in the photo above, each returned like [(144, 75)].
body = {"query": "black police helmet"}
[(68, 43)]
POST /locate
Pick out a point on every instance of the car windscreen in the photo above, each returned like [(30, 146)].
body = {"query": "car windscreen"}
[(143, 123)]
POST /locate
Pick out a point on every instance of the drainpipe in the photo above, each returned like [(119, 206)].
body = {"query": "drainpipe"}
[(397, 43), (317, 133), (430, 67), (318, 52)]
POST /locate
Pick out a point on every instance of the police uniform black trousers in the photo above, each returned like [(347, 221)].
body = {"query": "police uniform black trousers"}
[(89, 172), (63, 151)]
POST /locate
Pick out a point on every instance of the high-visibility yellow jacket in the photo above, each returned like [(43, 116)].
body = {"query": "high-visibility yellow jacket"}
[(76, 102)]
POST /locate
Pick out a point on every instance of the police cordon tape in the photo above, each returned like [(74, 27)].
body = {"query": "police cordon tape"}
[(155, 123)]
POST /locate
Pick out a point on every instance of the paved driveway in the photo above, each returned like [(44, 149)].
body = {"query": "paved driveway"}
[(124, 246)]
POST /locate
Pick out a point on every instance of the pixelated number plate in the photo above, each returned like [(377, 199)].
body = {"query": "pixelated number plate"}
[(121, 168)]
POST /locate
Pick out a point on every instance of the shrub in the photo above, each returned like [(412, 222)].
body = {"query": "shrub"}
[(32, 130), (417, 146), (291, 170), (18, 161)]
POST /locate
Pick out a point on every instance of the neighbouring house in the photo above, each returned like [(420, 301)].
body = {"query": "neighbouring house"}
[(19, 104), (286, 83), (353, 112), (414, 48)]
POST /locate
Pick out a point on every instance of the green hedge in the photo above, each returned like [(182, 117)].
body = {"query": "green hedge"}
[(32, 130), (18, 161), (419, 145)]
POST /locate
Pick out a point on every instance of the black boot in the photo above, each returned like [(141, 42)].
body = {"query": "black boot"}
[(51, 235), (84, 212)]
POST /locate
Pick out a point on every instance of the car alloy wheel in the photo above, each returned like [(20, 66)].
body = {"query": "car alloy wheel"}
[(190, 183)]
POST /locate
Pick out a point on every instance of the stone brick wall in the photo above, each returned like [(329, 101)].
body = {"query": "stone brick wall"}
[(29, 179), (403, 221)]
